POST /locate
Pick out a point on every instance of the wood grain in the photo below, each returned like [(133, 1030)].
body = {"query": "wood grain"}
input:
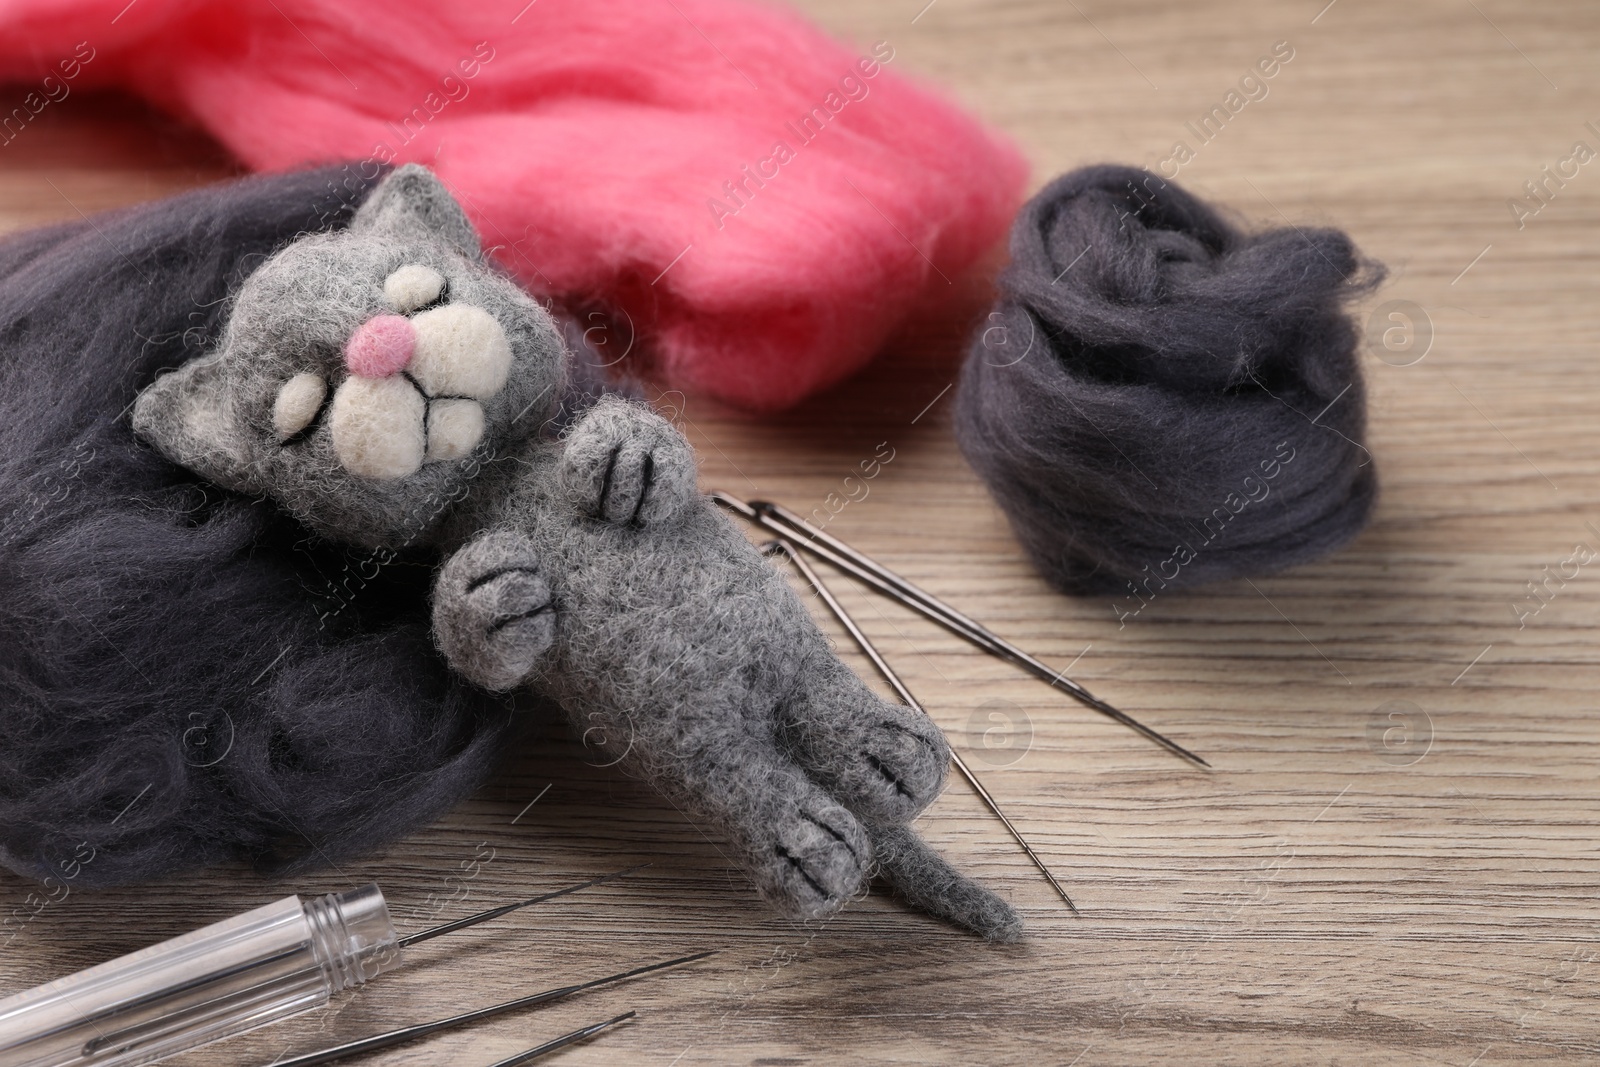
[(1330, 894)]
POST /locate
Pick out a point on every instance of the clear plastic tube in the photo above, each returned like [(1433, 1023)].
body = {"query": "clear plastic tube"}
[(257, 968)]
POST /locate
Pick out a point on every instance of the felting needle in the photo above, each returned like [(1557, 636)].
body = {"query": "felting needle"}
[(920, 599), (495, 913), (411, 1033), (561, 1042), (866, 646), (779, 520)]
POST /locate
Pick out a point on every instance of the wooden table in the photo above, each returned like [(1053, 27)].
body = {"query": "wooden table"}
[(1360, 880)]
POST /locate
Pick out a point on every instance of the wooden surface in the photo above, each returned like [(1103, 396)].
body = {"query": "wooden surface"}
[(1347, 887)]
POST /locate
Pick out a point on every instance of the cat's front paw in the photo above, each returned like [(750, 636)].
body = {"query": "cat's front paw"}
[(493, 612), (625, 464)]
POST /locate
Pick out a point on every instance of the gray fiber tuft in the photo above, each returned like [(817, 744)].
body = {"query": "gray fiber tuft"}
[(1159, 398)]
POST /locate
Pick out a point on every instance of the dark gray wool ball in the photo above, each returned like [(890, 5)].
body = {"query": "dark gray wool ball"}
[(1160, 399)]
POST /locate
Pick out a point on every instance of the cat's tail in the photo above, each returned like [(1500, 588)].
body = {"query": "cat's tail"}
[(927, 881)]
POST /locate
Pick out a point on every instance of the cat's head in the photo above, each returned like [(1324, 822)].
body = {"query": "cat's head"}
[(364, 375)]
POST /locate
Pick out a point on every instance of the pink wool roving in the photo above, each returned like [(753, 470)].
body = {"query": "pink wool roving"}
[(758, 204)]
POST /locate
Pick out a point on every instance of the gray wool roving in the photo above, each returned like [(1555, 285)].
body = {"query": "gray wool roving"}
[(588, 568), (1160, 399), (185, 675)]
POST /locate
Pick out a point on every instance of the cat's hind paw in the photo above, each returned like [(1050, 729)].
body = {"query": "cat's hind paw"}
[(819, 858), (886, 762)]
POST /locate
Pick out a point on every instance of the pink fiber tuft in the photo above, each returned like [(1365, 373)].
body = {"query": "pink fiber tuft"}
[(381, 346), (763, 203)]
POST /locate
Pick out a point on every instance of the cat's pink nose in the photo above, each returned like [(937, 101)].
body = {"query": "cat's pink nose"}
[(381, 346)]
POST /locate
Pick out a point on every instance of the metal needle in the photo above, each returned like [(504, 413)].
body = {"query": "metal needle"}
[(411, 1033), (495, 913), (866, 646), (785, 523), (561, 1042), (141, 1031)]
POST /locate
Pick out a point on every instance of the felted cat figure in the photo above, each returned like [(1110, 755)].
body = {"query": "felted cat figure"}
[(391, 390)]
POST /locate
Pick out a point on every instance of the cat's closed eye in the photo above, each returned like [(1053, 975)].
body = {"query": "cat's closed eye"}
[(299, 406), (414, 287)]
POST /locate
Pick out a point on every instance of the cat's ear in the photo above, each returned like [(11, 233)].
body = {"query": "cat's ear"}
[(189, 416), (412, 203)]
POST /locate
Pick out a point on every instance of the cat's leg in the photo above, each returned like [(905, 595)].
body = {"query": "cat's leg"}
[(885, 761), (805, 851), (625, 464), (493, 613)]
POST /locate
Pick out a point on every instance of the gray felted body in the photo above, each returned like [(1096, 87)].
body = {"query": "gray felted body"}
[(682, 651), (589, 568)]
